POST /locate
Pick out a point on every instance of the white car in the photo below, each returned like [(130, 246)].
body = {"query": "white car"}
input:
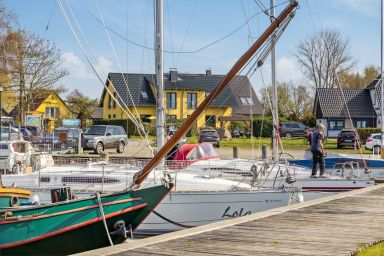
[(374, 142)]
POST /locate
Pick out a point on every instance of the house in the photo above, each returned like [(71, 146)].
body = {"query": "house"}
[(92, 114), (50, 109), (183, 92), (345, 108)]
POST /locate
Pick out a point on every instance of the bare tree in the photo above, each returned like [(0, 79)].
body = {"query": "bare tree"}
[(322, 56), (79, 103), (33, 66)]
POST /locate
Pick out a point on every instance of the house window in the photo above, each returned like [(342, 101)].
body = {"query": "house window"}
[(109, 101), (145, 118), (171, 100), (336, 125), (52, 112), (114, 116), (109, 116), (114, 101), (191, 100), (144, 95), (171, 118), (246, 101), (361, 124), (210, 121)]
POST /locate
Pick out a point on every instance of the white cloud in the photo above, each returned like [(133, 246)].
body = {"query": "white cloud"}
[(368, 7), (103, 66), (287, 70), (75, 66)]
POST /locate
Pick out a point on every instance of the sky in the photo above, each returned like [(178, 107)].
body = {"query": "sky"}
[(188, 26)]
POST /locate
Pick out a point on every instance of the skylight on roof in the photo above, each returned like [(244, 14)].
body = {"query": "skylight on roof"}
[(246, 101), (144, 95)]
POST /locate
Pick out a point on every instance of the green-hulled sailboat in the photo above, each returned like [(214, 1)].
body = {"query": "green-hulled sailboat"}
[(76, 225)]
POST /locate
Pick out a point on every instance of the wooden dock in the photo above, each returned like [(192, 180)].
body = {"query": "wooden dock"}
[(341, 224)]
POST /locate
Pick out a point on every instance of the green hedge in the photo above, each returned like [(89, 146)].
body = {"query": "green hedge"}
[(364, 133), (265, 124)]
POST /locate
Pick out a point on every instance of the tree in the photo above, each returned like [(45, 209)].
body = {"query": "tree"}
[(356, 80), (294, 101), (33, 65), (80, 103), (322, 56)]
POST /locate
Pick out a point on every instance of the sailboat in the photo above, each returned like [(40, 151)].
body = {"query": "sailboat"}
[(195, 199)]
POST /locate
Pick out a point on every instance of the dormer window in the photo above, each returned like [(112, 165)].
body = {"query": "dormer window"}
[(144, 95), (246, 101)]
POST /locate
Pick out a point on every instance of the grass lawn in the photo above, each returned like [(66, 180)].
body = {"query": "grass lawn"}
[(288, 144), (376, 250)]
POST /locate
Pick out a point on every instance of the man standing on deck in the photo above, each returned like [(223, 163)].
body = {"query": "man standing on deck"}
[(317, 150)]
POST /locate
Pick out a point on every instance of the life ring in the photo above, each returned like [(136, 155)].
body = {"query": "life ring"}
[(14, 201)]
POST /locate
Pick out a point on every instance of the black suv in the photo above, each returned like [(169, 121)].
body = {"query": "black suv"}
[(292, 129), (348, 138), (209, 135)]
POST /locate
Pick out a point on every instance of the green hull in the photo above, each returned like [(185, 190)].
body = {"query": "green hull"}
[(76, 226)]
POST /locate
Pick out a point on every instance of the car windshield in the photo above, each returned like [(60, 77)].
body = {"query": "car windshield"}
[(209, 133), (96, 130), (348, 133)]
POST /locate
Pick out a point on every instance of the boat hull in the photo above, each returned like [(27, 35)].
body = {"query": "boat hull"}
[(188, 209), (68, 228)]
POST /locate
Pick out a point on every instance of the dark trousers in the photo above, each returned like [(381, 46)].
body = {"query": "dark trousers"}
[(318, 159)]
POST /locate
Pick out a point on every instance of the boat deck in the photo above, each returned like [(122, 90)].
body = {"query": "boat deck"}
[(341, 224)]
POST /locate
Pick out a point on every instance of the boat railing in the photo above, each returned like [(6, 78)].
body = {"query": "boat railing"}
[(342, 168)]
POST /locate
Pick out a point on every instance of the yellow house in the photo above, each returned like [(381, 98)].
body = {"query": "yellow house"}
[(51, 108), (183, 92)]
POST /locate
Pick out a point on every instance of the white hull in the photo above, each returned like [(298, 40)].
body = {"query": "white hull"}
[(189, 209)]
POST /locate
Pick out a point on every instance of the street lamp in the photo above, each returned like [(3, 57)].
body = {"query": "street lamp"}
[(1, 109)]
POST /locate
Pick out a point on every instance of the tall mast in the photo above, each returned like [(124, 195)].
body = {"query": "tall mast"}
[(141, 175), (159, 74), (275, 114), (381, 79)]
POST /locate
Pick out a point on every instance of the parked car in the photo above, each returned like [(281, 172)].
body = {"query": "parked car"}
[(63, 138), (33, 129), (348, 138), (27, 134), (171, 132), (374, 143), (292, 129), (209, 135), (100, 137)]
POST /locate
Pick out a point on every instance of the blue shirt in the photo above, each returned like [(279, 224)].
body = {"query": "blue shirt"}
[(316, 138)]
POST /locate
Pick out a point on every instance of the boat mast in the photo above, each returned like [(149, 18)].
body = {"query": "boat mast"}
[(160, 136), (381, 80), (275, 117), (141, 175)]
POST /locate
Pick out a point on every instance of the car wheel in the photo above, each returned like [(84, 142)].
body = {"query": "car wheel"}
[(376, 149), (338, 146), (218, 145), (120, 149), (99, 148), (288, 135)]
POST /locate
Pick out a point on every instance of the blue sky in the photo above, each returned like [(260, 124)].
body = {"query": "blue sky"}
[(189, 25)]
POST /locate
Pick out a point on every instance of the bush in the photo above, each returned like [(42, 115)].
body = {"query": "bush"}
[(264, 123), (364, 133)]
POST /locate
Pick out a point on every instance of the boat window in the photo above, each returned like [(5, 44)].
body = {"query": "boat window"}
[(45, 179), (4, 146), (80, 179)]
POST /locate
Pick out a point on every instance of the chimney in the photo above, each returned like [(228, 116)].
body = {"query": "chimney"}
[(173, 75), (208, 72)]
